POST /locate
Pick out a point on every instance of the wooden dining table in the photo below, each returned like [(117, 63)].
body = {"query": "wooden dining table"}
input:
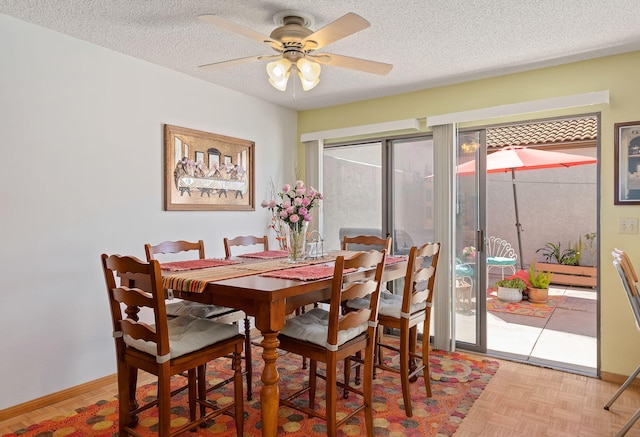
[(268, 300)]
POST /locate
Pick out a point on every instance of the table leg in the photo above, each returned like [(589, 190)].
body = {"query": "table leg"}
[(270, 393)]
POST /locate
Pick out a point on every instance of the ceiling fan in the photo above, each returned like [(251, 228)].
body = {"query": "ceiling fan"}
[(296, 44)]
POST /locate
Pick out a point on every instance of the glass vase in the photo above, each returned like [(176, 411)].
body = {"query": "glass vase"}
[(296, 234), (281, 228)]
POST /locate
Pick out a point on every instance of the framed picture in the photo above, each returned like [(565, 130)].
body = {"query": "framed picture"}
[(627, 163), (205, 183)]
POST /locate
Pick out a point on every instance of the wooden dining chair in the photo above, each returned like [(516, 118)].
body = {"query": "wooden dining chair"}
[(329, 336), (245, 241), (405, 313), (168, 347), (215, 312), (366, 242), (629, 278)]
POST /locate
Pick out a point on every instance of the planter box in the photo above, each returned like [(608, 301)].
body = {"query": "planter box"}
[(579, 276)]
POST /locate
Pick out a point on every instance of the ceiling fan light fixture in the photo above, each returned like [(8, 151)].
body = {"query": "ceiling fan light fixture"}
[(280, 85), (308, 70), (307, 84), (279, 72), (294, 41)]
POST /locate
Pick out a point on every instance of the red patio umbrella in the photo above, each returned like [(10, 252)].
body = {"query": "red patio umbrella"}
[(516, 158)]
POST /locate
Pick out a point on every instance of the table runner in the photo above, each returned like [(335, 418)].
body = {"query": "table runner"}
[(193, 264), (196, 281), (267, 254)]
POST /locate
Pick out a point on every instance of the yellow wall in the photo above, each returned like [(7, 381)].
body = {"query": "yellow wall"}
[(619, 75)]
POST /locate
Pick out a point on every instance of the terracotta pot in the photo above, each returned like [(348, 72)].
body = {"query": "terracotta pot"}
[(538, 295)]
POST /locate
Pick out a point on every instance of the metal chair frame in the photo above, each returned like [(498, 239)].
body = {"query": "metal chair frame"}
[(629, 278)]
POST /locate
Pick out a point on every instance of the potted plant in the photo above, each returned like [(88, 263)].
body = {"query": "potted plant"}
[(510, 290), (554, 253), (564, 264), (538, 285), (469, 253)]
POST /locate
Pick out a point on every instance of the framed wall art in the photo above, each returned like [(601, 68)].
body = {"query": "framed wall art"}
[(627, 163), (206, 171)]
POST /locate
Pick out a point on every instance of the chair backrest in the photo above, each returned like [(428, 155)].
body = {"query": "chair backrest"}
[(147, 293), (366, 242), (498, 248), (627, 264), (626, 271), (249, 240), (420, 277), (169, 247), (352, 286)]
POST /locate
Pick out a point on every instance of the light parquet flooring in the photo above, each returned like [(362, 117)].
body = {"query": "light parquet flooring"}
[(107, 392), (524, 400), (521, 400)]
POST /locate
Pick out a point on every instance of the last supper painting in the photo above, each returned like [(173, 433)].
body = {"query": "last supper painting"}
[(207, 171)]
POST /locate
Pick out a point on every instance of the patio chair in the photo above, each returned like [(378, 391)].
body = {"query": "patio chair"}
[(500, 255), (464, 286), (629, 278)]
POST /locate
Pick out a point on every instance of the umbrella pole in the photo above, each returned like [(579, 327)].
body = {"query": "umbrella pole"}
[(518, 225)]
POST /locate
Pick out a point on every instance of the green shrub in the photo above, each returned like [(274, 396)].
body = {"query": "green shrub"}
[(538, 279), (512, 283)]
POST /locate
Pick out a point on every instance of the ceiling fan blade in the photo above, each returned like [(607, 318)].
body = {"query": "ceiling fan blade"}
[(236, 28), (232, 62), (344, 26), (352, 63)]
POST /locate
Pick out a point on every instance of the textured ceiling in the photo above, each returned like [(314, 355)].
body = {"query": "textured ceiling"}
[(429, 42)]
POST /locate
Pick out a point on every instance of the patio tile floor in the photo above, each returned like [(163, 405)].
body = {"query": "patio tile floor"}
[(565, 340)]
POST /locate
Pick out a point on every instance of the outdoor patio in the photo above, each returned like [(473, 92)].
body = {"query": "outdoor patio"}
[(565, 339)]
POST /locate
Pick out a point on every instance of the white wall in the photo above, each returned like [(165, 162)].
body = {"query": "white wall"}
[(82, 156)]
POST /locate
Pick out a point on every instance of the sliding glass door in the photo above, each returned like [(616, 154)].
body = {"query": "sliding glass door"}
[(411, 215), (469, 262), (352, 190), (379, 188)]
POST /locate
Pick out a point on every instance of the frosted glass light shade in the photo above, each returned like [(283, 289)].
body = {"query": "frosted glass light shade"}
[(278, 72), (307, 84), (310, 71)]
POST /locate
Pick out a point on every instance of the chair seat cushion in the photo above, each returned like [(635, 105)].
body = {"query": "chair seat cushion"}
[(390, 304), (187, 334), (313, 327), (186, 308), (501, 261), (464, 270)]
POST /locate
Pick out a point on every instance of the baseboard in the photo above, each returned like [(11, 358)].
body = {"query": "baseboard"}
[(34, 404), (618, 379)]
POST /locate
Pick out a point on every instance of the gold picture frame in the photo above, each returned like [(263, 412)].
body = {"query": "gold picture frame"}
[(207, 172), (627, 163)]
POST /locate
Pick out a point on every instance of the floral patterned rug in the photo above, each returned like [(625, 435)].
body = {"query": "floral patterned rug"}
[(457, 381)]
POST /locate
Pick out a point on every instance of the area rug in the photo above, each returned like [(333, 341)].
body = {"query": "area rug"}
[(524, 307), (457, 381)]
